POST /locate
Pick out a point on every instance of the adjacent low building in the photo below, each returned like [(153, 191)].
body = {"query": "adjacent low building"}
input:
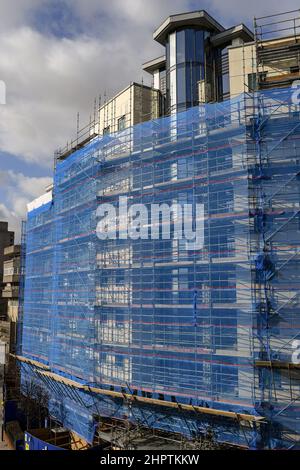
[(6, 239), (11, 280)]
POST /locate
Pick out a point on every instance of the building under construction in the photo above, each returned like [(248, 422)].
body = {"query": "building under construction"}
[(148, 332)]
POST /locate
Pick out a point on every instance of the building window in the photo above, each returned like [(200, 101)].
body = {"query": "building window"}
[(106, 130), (185, 67), (122, 123), (162, 81), (180, 47), (225, 83), (252, 83)]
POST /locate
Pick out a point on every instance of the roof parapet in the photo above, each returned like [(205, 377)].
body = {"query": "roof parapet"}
[(226, 37), (196, 18), (154, 64)]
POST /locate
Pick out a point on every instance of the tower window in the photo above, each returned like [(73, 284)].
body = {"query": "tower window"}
[(122, 123)]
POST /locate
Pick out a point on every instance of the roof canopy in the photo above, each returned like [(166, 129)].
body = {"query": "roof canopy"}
[(199, 19)]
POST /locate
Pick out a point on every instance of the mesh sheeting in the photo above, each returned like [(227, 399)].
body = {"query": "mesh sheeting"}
[(151, 317)]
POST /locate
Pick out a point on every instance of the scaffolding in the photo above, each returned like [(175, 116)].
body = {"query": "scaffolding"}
[(168, 338), (277, 43), (135, 104), (275, 246)]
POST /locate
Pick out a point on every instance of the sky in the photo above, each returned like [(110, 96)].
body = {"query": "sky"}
[(57, 56)]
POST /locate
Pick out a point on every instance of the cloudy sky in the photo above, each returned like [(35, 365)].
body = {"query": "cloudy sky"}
[(56, 56)]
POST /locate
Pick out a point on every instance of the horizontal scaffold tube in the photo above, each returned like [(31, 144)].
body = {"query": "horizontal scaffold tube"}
[(44, 370), (277, 365)]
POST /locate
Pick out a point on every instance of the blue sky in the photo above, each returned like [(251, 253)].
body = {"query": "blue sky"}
[(16, 163), (56, 56)]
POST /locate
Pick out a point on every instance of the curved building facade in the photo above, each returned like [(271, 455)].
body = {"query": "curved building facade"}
[(186, 58), (195, 62)]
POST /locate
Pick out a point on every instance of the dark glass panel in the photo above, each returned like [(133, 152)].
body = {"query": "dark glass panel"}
[(190, 44), (199, 46), (180, 47), (181, 84), (168, 54), (189, 84), (162, 81)]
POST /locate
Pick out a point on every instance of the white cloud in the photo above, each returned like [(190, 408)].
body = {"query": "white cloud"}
[(14, 13), (47, 81), (236, 11), (14, 223), (50, 78), (19, 191)]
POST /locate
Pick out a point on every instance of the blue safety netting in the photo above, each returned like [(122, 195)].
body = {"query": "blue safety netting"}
[(152, 318)]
